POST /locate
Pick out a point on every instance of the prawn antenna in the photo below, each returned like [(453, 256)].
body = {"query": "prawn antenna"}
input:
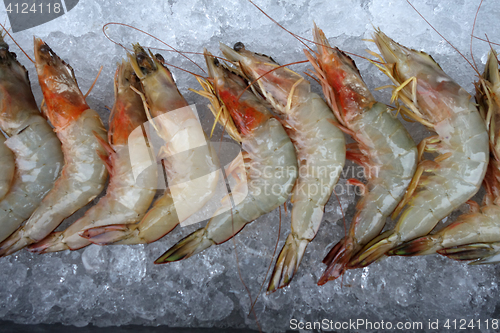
[(472, 33), (279, 25), (182, 69), (239, 271), (341, 212), (272, 260), (182, 52), (447, 41), (302, 39), (487, 40), (15, 42), (491, 43), (345, 230), (150, 35), (93, 83)]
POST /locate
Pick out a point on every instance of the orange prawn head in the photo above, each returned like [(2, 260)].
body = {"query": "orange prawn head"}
[(159, 86), (351, 95), (65, 102), (16, 98), (128, 110), (438, 96), (280, 85), (245, 109)]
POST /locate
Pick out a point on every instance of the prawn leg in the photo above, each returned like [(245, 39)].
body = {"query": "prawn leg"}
[(424, 166)]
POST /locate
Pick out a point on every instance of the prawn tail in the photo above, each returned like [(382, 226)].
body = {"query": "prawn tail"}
[(338, 263), (484, 252), (373, 251), (186, 247), (13, 244), (51, 243), (492, 259), (417, 247), (109, 234), (333, 252), (287, 263)]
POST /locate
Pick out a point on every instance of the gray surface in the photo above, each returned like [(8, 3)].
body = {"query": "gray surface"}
[(9, 327)]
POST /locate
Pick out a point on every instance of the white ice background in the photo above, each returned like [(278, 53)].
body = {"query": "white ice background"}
[(118, 285)]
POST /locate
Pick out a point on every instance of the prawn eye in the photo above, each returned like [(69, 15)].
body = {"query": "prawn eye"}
[(216, 62), (160, 58), (140, 58), (239, 46), (44, 48), (4, 51)]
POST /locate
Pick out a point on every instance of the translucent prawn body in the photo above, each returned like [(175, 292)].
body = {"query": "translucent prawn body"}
[(383, 148), (319, 145), (443, 184), (84, 174), (269, 161), (474, 235), (31, 142), (128, 196), (189, 161)]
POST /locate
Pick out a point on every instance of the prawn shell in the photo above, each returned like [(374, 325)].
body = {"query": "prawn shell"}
[(8, 166), (39, 161), (82, 178)]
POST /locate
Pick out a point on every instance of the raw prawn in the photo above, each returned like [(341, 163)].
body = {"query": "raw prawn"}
[(469, 236), (36, 149), (128, 196), (268, 154), (319, 145), (77, 126), (383, 147), (191, 163), (436, 101)]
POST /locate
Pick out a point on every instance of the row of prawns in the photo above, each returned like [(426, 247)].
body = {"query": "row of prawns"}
[(292, 144)]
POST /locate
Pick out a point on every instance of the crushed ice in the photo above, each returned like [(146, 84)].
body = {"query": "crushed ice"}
[(120, 285)]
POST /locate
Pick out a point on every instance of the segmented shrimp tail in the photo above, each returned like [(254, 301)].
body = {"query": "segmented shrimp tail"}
[(110, 234), (51, 243), (337, 264), (417, 247), (492, 259), (14, 243), (287, 263), (482, 251), (186, 247), (373, 251), (333, 252)]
